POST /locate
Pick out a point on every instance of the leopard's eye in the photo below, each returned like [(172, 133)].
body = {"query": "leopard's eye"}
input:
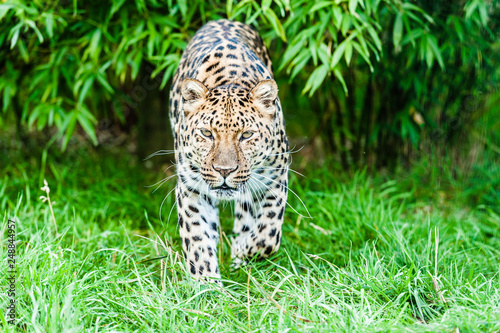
[(247, 135), (206, 133)]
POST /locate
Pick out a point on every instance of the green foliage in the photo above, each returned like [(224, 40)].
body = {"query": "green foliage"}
[(449, 99), (326, 32), (67, 63), (437, 77), (374, 257)]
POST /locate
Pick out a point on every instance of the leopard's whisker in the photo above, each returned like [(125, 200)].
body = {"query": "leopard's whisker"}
[(265, 186), (307, 217), (257, 186), (260, 194), (159, 152), (175, 204), (161, 182), (171, 210), (291, 151), (161, 206), (195, 186), (252, 200), (173, 165), (288, 188)]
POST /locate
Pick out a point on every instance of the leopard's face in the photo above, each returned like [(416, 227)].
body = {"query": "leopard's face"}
[(228, 132)]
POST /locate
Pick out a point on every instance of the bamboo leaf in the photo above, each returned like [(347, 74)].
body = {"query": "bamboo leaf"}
[(300, 65), (374, 36), (338, 53), (432, 42), (85, 88), (103, 81), (4, 8), (15, 35), (316, 79), (360, 50), (338, 17), (319, 5), (68, 128), (275, 22), (339, 76), (348, 53), (291, 51), (429, 53), (87, 121), (94, 43), (397, 32), (229, 9), (352, 6), (182, 7), (324, 53), (49, 25)]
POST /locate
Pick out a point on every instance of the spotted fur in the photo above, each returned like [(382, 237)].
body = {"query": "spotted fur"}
[(230, 144)]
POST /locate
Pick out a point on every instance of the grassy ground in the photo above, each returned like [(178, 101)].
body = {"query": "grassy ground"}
[(374, 257)]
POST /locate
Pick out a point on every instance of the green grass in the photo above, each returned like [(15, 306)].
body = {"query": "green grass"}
[(374, 257)]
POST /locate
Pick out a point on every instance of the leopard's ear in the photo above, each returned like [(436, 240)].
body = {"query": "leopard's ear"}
[(264, 95), (194, 93)]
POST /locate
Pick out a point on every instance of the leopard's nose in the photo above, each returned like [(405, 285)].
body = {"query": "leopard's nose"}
[(224, 170)]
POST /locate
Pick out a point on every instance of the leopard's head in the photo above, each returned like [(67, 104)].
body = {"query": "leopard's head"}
[(226, 132)]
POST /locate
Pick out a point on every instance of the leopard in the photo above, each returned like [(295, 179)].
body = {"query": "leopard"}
[(230, 146)]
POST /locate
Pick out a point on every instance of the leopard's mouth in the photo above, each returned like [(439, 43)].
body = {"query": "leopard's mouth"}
[(224, 191), (224, 187)]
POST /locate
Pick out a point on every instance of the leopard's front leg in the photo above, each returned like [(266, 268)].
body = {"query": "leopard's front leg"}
[(198, 228), (259, 217)]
